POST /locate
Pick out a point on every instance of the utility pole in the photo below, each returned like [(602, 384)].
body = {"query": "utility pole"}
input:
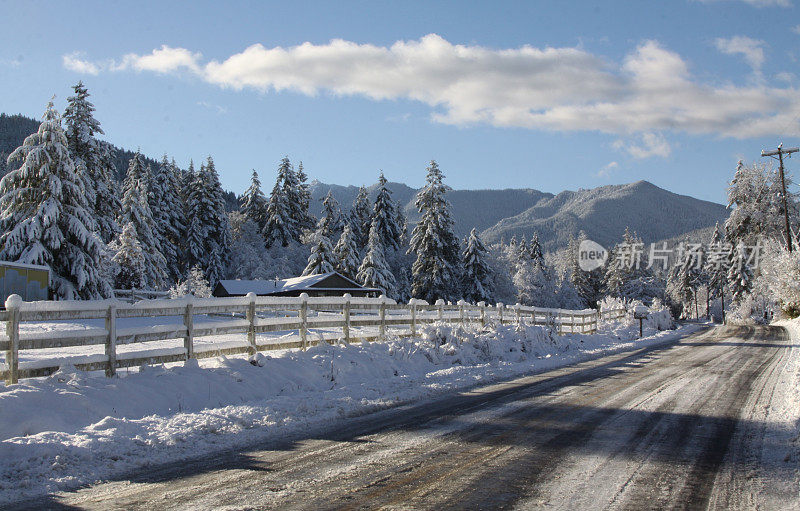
[(780, 152)]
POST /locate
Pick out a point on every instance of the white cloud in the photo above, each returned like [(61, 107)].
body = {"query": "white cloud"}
[(605, 170), (648, 145), (556, 89), (796, 29), (74, 62), (162, 60), (751, 49)]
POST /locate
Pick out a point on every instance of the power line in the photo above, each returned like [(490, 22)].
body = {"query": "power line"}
[(780, 152)]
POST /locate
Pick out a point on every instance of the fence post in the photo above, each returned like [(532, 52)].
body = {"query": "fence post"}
[(461, 317), (111, 340), (251, 319), (412, 304), (382, 328), (188, 321), (500, 308), (13, 304), (346, 326), (516, 310), (304, 320), (482, 305), (440, 305)]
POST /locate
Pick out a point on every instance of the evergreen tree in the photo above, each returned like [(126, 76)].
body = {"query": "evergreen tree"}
[(346, 253), (717, 264), (136, 210), (129, 259), (322, 257), (168, 216), (740, 275), (254, 202), (588, 284), (93, 162), (330, 222), (282, 225), (45, 216), (279, 224), (209, 233), (374, 272), (437, 250), (384, 214), (614, 277), (535, 249), (477, 286), (361, 217), (306, 221)]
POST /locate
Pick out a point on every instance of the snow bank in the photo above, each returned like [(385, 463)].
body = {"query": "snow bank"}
[(72, 428)]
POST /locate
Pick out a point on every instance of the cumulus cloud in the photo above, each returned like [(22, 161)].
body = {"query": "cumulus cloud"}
[(162, 60), (558, 89), (74, 62), (647, 145), (751, 49)]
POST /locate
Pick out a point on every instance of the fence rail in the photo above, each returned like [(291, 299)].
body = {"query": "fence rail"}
[(247, 317)]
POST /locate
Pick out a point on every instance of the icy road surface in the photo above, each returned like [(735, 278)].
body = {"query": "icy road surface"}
[(684, 425)]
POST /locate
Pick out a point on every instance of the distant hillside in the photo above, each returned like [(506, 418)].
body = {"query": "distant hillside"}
[(15, 128), (603, 213)]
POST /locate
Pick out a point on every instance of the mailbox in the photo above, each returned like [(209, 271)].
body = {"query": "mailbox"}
[(640, 312)]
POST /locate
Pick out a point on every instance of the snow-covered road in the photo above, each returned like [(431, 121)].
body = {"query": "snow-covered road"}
[(690, 424)]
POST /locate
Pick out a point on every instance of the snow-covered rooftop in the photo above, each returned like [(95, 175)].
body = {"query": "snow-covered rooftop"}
[(264, 287)]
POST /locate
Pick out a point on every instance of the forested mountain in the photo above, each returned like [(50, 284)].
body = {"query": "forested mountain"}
[(603, 212)]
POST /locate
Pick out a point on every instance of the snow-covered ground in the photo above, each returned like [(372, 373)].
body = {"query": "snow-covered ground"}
[(781, 452), (74, 428)]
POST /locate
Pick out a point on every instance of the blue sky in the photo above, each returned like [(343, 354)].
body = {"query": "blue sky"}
[(547, 95)]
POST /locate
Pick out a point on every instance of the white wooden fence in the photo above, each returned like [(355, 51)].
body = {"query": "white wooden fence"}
[(247, 317)]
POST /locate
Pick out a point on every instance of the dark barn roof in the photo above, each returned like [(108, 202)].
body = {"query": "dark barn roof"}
[(324, 284)]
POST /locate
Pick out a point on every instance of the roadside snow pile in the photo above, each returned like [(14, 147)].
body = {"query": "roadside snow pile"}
[(74, 428), (782, 452)]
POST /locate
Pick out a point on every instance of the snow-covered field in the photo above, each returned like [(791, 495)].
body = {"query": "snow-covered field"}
[(73, 428)]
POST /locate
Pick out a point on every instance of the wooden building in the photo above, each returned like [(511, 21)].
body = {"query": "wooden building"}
[(324, 284)]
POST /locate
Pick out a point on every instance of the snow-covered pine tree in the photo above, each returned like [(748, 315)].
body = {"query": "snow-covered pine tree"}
[(374, 272), (279, 225), (361, 217), (129, 259), (614, 276), (46, 218), (717, 264), (436, 269), (136, 210), (384, 213), (586, 283), (209, 239), (168, 216), (346, 252), (248, 251), (306, 220), (322, 258), (740, 275), (535, 249), (330, 221), (477, 285), (254, 202), (92, 162)]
